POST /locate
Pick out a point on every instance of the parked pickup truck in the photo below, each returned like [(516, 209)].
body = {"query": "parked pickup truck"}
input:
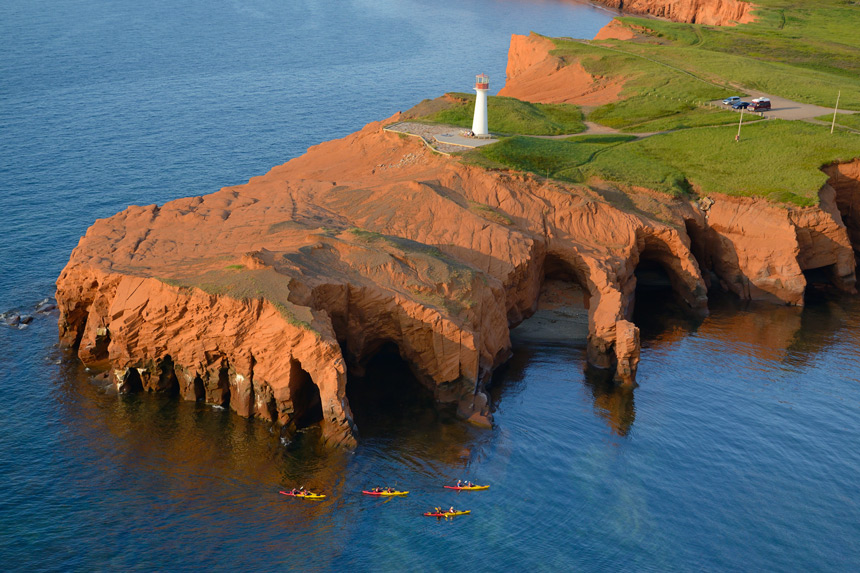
[(760, 104)]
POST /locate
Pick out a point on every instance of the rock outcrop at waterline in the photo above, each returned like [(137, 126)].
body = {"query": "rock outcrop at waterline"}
[(708, 12), (263, 294)]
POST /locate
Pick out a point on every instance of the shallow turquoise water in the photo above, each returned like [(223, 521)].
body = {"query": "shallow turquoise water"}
[(737, 452)]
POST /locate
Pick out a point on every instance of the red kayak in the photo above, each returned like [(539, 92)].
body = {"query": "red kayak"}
[(448, 513)]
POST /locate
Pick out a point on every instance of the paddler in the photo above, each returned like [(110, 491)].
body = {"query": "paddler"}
[(452, 510)]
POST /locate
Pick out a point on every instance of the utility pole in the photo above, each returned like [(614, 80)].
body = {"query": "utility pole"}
[(833, 124), (738, 136)]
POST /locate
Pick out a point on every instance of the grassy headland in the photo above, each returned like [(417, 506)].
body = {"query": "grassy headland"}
[(777, 160), (802, 51), (509, 116)]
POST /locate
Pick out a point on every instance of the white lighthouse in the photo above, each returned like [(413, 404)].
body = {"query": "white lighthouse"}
[(479, 123)]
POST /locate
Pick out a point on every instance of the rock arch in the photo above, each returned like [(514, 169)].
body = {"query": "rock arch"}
[(663, 252)]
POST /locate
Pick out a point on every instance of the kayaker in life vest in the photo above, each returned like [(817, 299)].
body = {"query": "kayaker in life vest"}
[(452, 510)]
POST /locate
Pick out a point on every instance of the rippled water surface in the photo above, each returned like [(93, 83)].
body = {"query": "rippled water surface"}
[(737, 452)]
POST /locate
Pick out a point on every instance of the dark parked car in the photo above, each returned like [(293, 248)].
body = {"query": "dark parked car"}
[(760, 104), (741, 105)]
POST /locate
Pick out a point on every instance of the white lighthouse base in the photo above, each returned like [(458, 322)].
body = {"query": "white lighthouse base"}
[(479, 123)]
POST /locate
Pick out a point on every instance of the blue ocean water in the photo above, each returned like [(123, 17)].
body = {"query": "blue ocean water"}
[(737, 452)]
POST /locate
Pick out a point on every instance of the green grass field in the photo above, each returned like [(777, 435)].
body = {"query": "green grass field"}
[(777, 160), (852, 121), (806, 51), (512, 116), (803, 51)]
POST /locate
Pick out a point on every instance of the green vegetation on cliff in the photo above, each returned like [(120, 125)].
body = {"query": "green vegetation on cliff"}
[(795, 49), (671, 75), (777, 160)]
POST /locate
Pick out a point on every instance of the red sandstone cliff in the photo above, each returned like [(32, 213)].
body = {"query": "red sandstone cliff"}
[(240, 295), (533, 74), (708, 12), (263, 294), (246, 295)]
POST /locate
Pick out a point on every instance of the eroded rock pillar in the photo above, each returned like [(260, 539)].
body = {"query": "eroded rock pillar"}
[(627, 348)]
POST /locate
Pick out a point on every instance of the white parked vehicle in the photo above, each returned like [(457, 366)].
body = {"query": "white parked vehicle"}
[(732, 100)]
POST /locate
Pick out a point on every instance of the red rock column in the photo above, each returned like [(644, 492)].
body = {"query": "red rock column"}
[(626, 352)]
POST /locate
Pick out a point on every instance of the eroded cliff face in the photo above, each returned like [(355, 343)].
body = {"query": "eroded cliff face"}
[(708, 12), (761, 251), (755, 249), (845, 183), (534, 75), (242, 296), (259, 295), (264, 297)]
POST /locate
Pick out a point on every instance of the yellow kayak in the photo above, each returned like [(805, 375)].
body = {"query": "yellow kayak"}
[(467, 487), (384, 493), (304, 495), (447, 513)]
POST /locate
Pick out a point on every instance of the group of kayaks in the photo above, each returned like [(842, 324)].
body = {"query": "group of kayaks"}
[(391, 492)]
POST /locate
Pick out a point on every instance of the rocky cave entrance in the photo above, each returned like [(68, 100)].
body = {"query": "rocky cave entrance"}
[(656, 305), (561, 316), (305, 395), (819, 284), (388, 397), (132, 383), (168, 383), (199, 389)]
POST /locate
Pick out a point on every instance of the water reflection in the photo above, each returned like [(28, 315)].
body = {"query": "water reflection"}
[(397, 417), (761, 331), (612, 402), (155, 469)]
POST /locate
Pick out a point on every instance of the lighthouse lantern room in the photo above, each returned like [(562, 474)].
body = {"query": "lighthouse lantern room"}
[(479, 123)]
